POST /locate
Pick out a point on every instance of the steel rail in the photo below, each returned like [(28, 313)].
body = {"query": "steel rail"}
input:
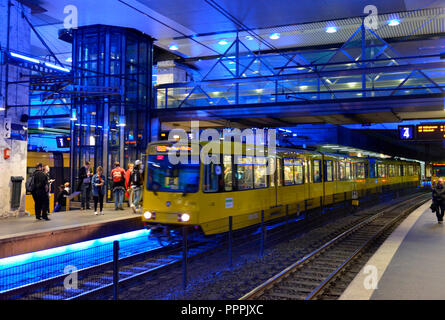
[(259, 290)]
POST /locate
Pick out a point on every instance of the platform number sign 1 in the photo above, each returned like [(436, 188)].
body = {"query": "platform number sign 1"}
[(406, 132)]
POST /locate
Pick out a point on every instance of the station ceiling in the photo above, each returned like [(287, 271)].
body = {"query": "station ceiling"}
[(196, 26)]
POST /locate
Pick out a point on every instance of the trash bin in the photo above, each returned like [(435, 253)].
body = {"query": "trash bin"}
[(16, 193)]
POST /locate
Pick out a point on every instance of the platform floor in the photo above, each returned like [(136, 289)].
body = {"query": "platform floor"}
[(410, 265), (60, 220)]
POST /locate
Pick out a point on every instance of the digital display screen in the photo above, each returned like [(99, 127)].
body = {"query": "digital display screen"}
[(406, 132), (430, 131), (63, 142), (172, 148)]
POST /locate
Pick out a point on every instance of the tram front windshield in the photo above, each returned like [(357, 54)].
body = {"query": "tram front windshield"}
[(438, 171), (166, 177)]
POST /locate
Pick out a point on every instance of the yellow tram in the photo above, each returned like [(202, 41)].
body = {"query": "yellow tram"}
[(205, 195), (435, 171)]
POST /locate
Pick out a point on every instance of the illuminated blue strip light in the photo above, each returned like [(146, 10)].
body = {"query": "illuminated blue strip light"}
[(32, 60), (24, 269)]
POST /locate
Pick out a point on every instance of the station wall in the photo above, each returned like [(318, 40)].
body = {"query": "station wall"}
[(19, 37)]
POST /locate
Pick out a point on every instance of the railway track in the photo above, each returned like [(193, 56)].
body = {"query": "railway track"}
[(310, 277), (94, 280)]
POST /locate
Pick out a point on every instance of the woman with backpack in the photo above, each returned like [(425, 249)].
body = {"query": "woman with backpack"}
[(98, 183), (118, 178)]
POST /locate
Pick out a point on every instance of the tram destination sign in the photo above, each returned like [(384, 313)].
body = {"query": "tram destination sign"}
[(430, 131)]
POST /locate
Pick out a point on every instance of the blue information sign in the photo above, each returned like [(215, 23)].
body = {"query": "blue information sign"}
[(406, 132)]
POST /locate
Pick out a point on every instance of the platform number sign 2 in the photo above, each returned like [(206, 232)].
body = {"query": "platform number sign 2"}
[(406, 132)]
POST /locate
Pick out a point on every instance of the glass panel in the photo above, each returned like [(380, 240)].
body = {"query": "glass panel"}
[(260, 172), (360, 170), (288, 172), (348, 172), (329, 171), (228, 173), (342, 170), (210, 182), (272, 174), (165, 177), (244, 173), (279, 172), (299, 172), (317, 171), (381, 170)]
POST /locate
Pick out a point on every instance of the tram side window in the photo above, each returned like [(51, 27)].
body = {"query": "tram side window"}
[(244, 173), (381, 170), (308, 170), (328, 171), (212, 173), (342, 170), (298, 172), (271, 167), (360, 170), (348, 171), (402, 171), (317, 170), (288, 172), (260, 173), (391, 170), (228, 173), (279, 172)]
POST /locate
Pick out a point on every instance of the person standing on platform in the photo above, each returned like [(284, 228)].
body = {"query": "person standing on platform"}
[(129, 192), (49, 181), (37, 180), (439, 199), (85, 186), (98, 182), (118, 178), (136, 183)]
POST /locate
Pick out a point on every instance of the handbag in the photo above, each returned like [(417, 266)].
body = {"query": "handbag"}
[(433, 207)]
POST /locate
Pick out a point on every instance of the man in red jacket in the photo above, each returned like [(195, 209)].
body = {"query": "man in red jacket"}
[(118, 178)]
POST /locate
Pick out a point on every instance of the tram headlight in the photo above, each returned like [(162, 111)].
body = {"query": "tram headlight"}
[(185, 217), (148, 215)]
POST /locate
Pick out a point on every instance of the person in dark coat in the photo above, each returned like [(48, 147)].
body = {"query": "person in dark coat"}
[(85, 175), (439, 199), (40, 193)]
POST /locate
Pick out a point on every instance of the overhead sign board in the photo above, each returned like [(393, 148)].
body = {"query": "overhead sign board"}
[(430, 131), (406, 132)]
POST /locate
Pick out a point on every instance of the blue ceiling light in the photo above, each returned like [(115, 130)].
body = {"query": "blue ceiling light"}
[(173, 47), (393, 22), (274, 36), (249, 38), (223, 42), (331, 29)]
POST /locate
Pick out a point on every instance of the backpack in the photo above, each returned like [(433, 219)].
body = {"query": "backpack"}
[(30, 184), (117, 175), (135, 178)]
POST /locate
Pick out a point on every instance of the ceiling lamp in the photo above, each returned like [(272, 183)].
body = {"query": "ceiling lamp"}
[(223, 42), (173, 47), (249, 38), (393, 22), (331, 29), (274, 36)]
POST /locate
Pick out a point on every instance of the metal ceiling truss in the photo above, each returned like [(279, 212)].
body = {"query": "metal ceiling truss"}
[(364, 66)]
